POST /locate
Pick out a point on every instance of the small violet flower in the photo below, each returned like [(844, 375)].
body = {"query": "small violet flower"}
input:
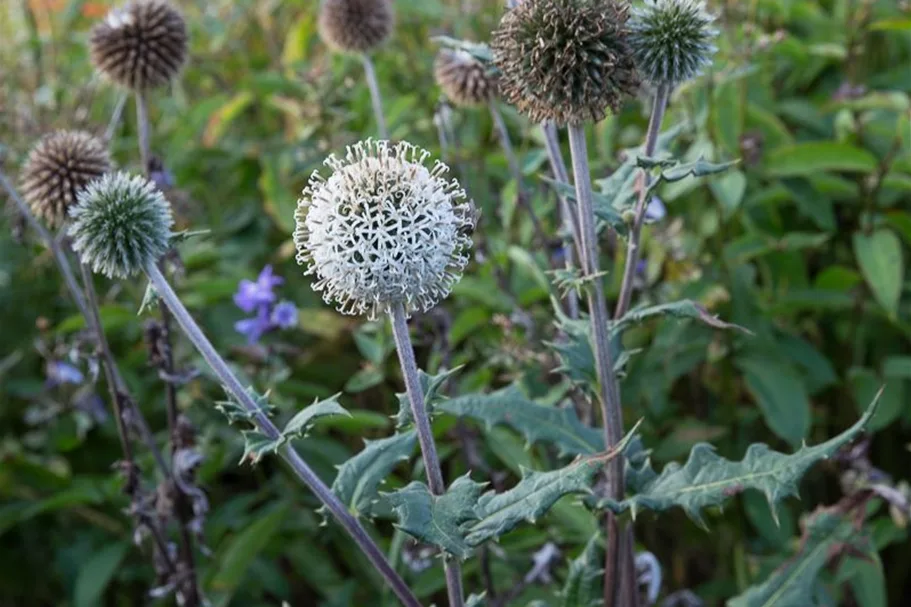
[(59, 372), (259, 298)]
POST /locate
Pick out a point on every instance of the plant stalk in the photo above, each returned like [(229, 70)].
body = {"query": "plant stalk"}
[(425, 437), (375, 97), (116, 116), (611, 414), (287, 452), (632, 247), (51, 243), (142, 127)]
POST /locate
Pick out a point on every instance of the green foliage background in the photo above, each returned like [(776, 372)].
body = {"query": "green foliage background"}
[(805, 243)]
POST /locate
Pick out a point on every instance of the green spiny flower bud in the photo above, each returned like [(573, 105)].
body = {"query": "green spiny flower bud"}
[(355, 26), (58, 168), (567, 61), (120, 225), (671, 40), (142, 45)]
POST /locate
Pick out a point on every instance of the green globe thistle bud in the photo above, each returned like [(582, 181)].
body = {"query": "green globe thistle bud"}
[(142, 45), (671, 40), (565, 60), (58, 168), (120, 225), (464, 79), (355, 26)]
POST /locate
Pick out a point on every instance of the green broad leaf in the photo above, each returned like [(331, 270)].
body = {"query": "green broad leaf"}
[(560, 427), (780, 393), (698, 168), (364, 379), (431, 386), (300, 424), (233, 562), (879, 256), (804, 159), (435, 519), (828, 533), (358, 478), (583, 583), (710, 480), (682, 309), (619, 188), (463, 518), (96, 573), (603, 204), (811, 203), (729, 190)]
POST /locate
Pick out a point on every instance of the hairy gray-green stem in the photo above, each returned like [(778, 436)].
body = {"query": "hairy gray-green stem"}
[(611, 414), (632, 247), (425, 437), (116, 116), (375, 97), (51, 243), (142, 127), (287, 452)]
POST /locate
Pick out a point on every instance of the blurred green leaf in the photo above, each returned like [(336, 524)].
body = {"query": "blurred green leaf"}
[(96, 573), (880, 258), (780, 393), (808, 158)]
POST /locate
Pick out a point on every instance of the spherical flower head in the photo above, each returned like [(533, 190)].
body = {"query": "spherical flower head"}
[(142, 45), (464, 79), (565, 60), (58, 168), (383, 229), (672, 40), (355, 26), (120, 225)]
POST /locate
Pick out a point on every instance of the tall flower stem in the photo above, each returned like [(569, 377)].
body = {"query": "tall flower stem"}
[(287, 452), (51, 243), (142, 127), (612, 417), (632, 247), (515, 170), (116, 116), (425, 437), (572, 241), (375, 97)]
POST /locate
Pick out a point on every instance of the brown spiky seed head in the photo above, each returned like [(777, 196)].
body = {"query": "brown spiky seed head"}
[(355, 26), (142, 45), (464, 78), (60, 166), (565, 60)]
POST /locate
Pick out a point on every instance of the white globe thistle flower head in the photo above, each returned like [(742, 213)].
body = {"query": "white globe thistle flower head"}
[(120, 224), (383, 229)]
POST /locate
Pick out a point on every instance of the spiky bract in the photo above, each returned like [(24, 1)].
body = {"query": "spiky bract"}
[(464, 79), (355, 26), (120, 225), (672, 40), (567, 61), (383, 229), (142, 45), (60, 165)]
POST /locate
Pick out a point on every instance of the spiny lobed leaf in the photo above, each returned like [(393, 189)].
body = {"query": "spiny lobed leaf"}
[(709, 480), (430, 385), (257, 444), (358, 478), (583, 584), (683, 309), (558, 426), (828, 532), (463, 518)]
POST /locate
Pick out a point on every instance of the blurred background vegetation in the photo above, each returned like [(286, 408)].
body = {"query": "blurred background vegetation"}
[(804, 244)]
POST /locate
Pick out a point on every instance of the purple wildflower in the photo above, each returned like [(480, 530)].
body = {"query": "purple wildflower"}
[(59, 372), (253, 328), (251, 295), (284, 315)]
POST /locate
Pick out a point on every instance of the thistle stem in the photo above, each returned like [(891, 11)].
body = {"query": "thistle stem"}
[(571, 243), (612, 417), (287, 452), (425, 437), (632, 247), (116, 116), (51, 243), (142, 126), (375, 97)]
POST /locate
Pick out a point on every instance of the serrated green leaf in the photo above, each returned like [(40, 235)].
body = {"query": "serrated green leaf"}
[(431, 385), (300, 424), (437, 519), (674, 171), (358, 478), (685, 308), (603, 205), (583, 583), (257, 444), (558, 426), (794, 584), (235, 411), (709, 480)]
